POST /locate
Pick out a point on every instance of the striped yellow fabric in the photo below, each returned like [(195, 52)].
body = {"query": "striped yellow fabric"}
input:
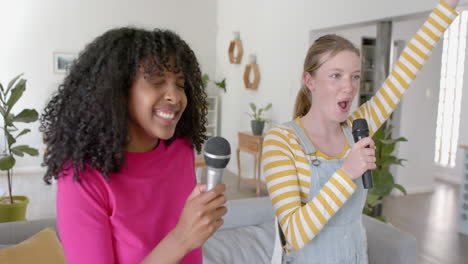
[(285, 166)]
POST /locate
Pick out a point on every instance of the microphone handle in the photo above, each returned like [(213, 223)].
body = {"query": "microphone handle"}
[(367, 180), (214, 177)]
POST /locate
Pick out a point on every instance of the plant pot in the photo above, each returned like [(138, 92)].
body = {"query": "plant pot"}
[(257, 127), (377, 210), (13, 212)]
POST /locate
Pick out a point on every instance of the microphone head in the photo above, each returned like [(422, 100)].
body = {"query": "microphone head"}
[(217, 152), (360, 126)]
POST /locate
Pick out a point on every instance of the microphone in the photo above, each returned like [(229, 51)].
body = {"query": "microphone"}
[(217, 153), (360, 131)]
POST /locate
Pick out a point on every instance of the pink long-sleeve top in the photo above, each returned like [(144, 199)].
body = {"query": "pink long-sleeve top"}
[(122, 219)]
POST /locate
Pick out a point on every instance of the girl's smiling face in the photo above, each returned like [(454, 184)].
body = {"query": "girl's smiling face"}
[(156, 104)]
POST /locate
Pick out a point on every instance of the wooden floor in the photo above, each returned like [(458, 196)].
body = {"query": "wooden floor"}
[(430, 217)]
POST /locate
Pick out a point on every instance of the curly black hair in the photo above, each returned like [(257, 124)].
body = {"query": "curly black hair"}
[(86, 120)]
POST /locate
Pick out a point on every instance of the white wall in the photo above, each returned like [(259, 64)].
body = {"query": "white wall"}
[(32, 30)]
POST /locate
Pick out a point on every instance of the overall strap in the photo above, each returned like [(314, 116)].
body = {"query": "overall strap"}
[(308, 148), (303, 138)]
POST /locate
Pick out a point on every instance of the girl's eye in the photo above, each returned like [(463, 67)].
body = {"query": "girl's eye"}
[(357, 77), (181, 84), (159, 83), (335, 75)]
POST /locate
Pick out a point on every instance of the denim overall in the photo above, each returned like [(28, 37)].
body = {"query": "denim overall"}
[(342, 240)]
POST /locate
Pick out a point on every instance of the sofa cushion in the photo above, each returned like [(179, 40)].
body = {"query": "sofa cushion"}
[(247, 212), (12, 233), (247, 244), (389, 245), (43, 247)]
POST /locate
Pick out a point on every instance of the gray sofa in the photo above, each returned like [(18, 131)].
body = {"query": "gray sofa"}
[(248, 235)]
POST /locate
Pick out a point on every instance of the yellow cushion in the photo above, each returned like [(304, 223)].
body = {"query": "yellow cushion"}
[(42, 248)]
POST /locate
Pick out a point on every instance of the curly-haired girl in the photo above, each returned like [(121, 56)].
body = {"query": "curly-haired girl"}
[(120, 135)]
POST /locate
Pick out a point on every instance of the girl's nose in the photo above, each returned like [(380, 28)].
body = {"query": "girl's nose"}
[(172, 94), (351, 84)]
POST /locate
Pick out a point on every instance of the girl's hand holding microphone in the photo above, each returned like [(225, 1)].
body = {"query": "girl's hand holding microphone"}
[(360, 159), (201, 216)]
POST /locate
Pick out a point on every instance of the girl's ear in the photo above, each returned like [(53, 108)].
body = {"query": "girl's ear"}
[(309, 81)]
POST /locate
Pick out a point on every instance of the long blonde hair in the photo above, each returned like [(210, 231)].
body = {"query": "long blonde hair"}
[(328, 44)]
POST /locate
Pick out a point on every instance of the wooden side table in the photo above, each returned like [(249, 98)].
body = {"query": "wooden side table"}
[(199, 161), (251, 144), (200, 168)]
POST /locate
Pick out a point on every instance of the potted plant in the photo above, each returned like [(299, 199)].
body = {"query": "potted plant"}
[(383, 180), (206, 79), (13, 208), (258, 122)]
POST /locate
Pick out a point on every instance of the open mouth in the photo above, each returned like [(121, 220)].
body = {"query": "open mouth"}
[(344, 105)]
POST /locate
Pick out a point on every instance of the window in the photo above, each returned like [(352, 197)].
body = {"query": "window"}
[(451, 83)]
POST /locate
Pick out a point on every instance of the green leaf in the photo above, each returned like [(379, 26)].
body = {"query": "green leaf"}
[(7, 162), (10, 84), (268, 107), (383, 183), (26, 149), (222, 84), (2, 110), (253, 107), (17, 152), (379, 134), (390, 141), (387, 149), (10, 139), (372, 199), (26, 116), (25, 131), (260, 111), (205, 79), (16, 94), (388, 132), (1, 87), (401, 188), (388, 160)]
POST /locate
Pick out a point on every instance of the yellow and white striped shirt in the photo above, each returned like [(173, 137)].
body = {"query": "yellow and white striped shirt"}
[(286, 168)]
